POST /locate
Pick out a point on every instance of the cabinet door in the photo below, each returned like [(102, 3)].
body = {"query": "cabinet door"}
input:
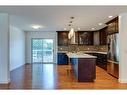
[(86, 38), (76, 37), (62, 38), (102, 61), (59, 58), (62, 59), (96, 38), (113, 26), (103, 36), (65, 59), (117, 26)]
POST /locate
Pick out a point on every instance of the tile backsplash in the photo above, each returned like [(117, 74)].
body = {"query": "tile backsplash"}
[(72, 48)]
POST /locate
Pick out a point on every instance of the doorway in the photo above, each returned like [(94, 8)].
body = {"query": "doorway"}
[(42, 50)]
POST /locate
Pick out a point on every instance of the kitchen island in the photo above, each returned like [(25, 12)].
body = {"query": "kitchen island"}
[(84, 66)]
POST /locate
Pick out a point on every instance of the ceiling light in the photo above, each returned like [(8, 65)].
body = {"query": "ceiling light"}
[(93, 28), (70, 22), (71, 33), (72, 17), (65, 28), (78, 28), (69, 25), (110, 16), (36, 26), (100, 23)]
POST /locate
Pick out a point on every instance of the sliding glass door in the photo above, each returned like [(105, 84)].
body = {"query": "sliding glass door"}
[(42, 51), (47, 50)]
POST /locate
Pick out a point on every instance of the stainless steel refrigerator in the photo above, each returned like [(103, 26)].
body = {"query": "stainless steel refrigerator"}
[(113, 54)]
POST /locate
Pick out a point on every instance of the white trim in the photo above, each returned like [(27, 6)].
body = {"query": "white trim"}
[(123, 80)]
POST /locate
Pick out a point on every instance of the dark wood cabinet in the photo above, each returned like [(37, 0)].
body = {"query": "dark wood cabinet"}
[(85, 37), (103, 36), (101, 60), (76, 37), (62, 37), (84, 69), (81, 38), (113, 26), (96, 37)]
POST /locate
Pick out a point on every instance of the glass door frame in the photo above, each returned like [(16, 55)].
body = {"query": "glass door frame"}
[(42, 57)]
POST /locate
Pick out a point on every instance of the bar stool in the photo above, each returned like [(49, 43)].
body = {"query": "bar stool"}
[(69, 68)]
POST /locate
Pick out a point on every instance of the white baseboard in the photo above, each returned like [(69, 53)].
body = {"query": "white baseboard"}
[(123, 80)]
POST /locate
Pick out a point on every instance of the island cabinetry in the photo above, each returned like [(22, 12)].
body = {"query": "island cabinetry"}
[(84, 69), (62, 59)]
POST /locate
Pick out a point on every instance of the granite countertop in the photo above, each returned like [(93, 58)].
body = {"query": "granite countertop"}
[(94, 52), (84, 52), (79, 55)]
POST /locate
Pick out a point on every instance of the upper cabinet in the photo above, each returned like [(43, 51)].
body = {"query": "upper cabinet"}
[(80, 38), (62, 37), (96, 37), (103, 36), (85, 37), (113, 26), (89, 37)]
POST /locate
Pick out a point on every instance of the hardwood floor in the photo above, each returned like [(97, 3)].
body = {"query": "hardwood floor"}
[(49, 76)]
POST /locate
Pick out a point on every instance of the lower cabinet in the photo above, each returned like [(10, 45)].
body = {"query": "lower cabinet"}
[(62, 59), (101, 60)]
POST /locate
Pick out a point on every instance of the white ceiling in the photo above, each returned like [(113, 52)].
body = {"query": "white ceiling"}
[(56, 18)]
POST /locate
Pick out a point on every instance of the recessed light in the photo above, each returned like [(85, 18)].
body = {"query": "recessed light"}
[(65, 28), (70, 22), (72, 17), (100, 23), (110, 16), (93, 28), (78, 28), (69, 25), (36, 26)]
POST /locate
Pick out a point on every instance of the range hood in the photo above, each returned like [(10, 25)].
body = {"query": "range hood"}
[(72, 36)]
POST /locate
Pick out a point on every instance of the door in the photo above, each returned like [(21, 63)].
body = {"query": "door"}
[(42, 50)]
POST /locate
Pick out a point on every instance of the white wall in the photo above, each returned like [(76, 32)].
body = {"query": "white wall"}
[(17, 48), (30, 35), (123, 48), (4, 48)]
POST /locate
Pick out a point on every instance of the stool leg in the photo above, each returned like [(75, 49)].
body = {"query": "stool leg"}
[(68, 71)]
